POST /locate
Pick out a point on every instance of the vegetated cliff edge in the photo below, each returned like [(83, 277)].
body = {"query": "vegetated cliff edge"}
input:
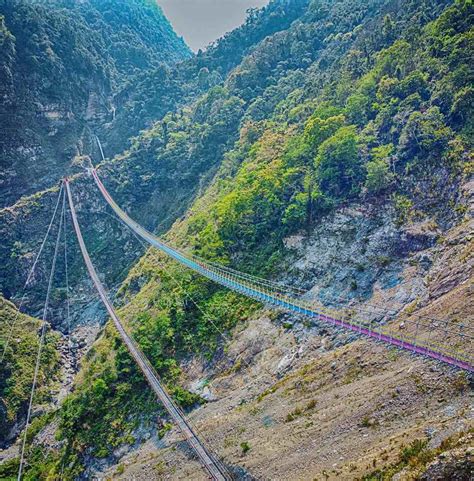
[(18, 363), (170, 162)]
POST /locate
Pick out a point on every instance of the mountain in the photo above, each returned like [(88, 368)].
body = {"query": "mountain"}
[(324, 145), (142, 102), (169, 177), (62, 62)]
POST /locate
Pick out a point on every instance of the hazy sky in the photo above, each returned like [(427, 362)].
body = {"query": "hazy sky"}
[(202, 21)]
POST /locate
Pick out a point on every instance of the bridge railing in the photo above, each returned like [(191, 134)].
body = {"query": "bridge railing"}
[(409, 334)]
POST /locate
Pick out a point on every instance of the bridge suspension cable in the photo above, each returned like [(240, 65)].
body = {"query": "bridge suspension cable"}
[(412, 338), (213, 466), (41, 339)]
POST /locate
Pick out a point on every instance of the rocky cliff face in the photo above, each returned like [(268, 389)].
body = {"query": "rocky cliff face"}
[(287, 396), (168, 176)]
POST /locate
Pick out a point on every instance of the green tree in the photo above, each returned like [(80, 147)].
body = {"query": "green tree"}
[(359, 104), (379, 176), (297, 211), (318, 129), (388, 28), (338, 168), (415, 82), (462, 111), (425, 138)]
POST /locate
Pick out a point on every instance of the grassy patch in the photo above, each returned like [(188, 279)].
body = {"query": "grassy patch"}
[(17, 370), (245, 446), (299, 411), (416, 456)]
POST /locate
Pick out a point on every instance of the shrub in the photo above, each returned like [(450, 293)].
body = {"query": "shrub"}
[(338, 167), (245, 446), (403, 207), (293, 414), (412, 451)]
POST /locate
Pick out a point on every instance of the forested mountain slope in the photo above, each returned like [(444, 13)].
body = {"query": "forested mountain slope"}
[(151, 96), (61, 63), (103, 68), (336, 156), (169, 163), (174, 159)]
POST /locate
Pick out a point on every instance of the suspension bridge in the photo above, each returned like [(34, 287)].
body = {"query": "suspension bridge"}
[(431, 338), (417, 336), (212, 465)]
